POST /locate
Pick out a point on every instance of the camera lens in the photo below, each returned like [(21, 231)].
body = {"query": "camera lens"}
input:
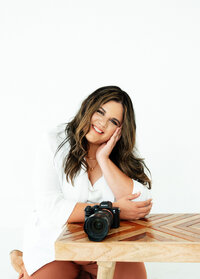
[(97, 225)]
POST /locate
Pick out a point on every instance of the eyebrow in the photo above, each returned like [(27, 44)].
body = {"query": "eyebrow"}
[(112, 117)]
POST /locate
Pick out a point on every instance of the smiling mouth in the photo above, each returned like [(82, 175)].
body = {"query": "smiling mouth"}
[(97, 129)]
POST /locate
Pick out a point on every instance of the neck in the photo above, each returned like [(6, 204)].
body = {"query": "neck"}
[(92, 148)]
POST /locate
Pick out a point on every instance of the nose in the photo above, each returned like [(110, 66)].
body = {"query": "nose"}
[(103, 122)]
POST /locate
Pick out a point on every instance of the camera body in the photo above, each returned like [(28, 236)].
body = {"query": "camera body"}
[(99, 219)]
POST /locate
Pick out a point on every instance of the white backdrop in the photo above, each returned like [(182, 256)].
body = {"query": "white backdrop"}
[(55, 53)]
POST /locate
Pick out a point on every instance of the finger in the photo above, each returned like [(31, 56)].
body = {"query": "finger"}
[(21, 270), (145, 210), (112, 139), (117, 132), (111, 143), (115, 137), (143, 203), (133, 196), (143, 215), (16, 268), (118, 136), (15, 253)]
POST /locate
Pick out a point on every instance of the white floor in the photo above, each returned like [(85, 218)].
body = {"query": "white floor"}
[(11, 237)]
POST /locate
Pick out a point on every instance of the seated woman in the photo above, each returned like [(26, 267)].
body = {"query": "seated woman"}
[(84, 162)]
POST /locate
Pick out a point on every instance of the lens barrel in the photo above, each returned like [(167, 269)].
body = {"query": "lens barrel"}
[(98, 225)]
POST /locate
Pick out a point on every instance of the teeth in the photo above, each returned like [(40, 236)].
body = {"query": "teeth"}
[(96, 129)]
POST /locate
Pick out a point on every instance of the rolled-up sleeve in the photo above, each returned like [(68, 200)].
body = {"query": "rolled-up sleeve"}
[(145, 192), (52, 207)]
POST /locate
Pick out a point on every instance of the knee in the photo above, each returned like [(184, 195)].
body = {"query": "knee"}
[(132, 270)]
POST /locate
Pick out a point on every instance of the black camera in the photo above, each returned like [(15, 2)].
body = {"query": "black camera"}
[(99, 219)]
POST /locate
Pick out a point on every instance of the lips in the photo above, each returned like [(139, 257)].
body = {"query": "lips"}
[(99, 131)]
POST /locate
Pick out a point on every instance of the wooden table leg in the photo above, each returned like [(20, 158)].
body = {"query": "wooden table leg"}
[(105, 270)]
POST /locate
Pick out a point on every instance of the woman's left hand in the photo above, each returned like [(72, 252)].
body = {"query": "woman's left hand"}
[(106, 148)]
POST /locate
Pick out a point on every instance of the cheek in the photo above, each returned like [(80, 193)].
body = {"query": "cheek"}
[(93, 118), (109, 133)]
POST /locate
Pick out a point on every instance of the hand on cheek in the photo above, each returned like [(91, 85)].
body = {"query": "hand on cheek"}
[(104, 150)]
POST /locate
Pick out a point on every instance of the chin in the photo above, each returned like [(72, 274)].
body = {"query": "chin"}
[(91, 140)]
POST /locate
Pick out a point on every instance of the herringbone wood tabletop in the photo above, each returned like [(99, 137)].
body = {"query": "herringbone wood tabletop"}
[(156, 238)]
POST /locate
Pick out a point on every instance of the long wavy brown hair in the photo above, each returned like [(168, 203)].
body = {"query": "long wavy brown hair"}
[(124, 154)]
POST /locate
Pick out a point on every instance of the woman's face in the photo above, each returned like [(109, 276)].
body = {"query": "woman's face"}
[(104, 122)]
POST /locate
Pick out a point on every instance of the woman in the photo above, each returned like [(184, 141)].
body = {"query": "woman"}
[(86, 161)]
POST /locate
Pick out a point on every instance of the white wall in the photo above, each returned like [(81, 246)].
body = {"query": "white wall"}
[(54, 53)]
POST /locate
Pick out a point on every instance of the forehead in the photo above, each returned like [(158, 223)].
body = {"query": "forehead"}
[(113, 109)]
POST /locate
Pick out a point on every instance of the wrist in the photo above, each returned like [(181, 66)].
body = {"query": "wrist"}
[(103, 160), (115, 204)]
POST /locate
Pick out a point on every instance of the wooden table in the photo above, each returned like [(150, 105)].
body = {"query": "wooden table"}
[(156, 238)]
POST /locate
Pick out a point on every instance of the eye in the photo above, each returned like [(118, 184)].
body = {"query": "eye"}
[(100, 111), (114, 122)]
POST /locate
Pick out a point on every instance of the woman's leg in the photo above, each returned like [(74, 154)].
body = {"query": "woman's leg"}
[(89, 270), (130, 270), (123, 270), (72, 270), (55, 270)]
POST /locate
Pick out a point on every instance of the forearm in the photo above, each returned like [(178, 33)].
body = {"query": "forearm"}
[(78, 214), (120, 184)]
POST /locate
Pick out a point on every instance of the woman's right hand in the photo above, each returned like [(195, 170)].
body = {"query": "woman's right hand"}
[(130, 210), (16, 258)]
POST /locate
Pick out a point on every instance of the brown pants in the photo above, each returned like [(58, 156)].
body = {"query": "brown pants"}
[(86, 270)]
